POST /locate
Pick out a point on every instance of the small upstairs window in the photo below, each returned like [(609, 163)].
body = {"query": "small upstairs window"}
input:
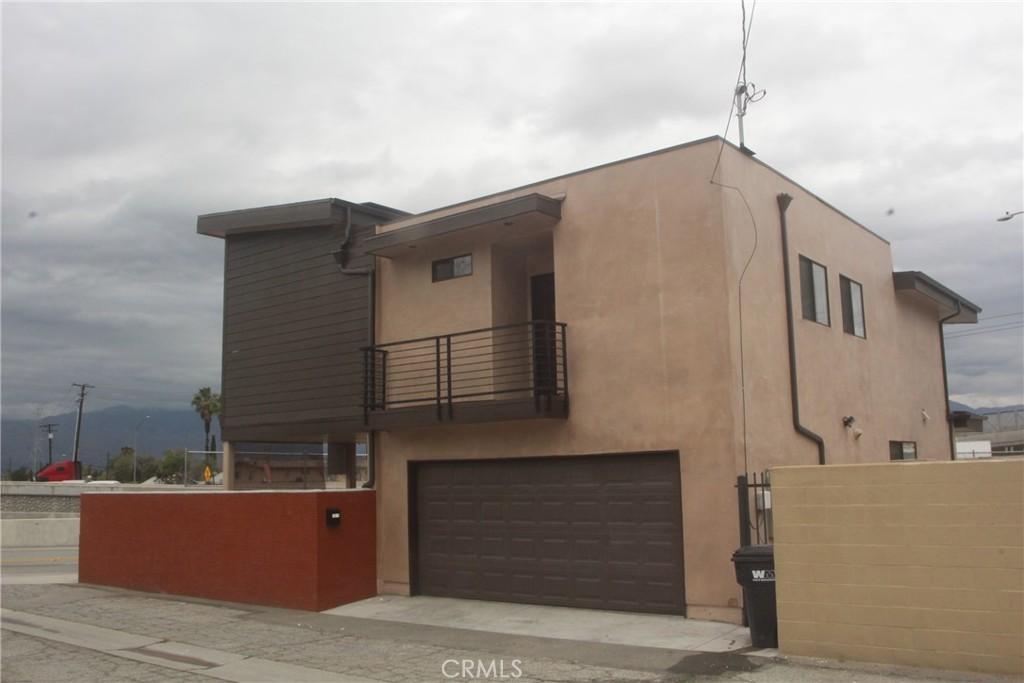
[(852, 295), (814, 291), (903, 450), (450, 268)]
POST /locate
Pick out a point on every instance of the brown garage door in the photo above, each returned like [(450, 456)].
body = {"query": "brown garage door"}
[(601, 532)]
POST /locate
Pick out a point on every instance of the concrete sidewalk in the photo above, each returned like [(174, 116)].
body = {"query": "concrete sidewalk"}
[(115, 635), (595, 626)]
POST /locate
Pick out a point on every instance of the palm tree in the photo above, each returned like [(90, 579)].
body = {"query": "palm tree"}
[(207, 404)]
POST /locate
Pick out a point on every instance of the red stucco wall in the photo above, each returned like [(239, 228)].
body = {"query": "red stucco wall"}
[(268, 548)]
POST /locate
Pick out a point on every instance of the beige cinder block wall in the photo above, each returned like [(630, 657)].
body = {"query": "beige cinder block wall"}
[(640, 281), (884, 381), (917, 563)]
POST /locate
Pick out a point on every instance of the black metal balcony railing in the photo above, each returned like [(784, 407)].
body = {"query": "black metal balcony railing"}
[(510, 363)]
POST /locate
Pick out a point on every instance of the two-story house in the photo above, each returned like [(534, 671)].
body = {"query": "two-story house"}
[(560, 383)]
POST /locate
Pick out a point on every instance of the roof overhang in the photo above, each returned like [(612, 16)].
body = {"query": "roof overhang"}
[(946, 300), (517, 215), (314, 213)]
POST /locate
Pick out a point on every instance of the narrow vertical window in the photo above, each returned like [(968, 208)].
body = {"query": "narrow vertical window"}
[(814, 290), (852, 295)]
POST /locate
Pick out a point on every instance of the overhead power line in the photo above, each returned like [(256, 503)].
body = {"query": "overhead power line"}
[(1001, 315), (975, 333), (992, 328)]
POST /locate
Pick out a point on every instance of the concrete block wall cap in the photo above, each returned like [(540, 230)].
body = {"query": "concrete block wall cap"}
[(903, 463), (209, 490)]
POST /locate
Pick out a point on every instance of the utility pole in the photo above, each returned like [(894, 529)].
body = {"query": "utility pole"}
[(49, 427), (78, 422)]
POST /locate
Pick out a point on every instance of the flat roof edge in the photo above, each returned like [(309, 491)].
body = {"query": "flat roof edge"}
[(916, 281), (637, 157), (309, 213), (534, 203)]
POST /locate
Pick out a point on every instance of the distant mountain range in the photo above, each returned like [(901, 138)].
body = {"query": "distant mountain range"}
[(956, 405), (103, 431), (107, 431)]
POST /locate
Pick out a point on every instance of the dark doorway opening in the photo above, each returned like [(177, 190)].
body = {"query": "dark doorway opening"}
[(542, 308)]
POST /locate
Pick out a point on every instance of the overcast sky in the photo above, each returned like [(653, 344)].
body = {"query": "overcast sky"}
[(123, 122)]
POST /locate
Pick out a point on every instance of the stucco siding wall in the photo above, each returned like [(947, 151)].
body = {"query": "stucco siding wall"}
[(884, 380), (905, 563), (640, 281)]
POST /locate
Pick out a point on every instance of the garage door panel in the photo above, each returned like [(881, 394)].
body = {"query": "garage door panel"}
[(600, 532)]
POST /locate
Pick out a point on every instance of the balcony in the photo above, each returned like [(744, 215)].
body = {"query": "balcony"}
[(511, 372)]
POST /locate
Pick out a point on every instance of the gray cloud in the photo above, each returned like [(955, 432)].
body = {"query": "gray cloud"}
[(116, 137)]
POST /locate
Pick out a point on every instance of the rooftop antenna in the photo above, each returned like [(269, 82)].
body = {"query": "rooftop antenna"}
[(746, 92)]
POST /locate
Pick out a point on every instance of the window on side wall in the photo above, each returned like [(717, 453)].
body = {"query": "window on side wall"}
[(450, 268), (903, 450), (814, 290), (852, 295)]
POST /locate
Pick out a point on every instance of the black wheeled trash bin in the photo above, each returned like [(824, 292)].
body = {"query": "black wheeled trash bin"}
[(755, 571)]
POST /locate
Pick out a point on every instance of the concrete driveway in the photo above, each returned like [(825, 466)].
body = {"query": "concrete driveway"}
[(595, 626)]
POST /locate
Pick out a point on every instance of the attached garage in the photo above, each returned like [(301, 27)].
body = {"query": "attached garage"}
[(601, 532)]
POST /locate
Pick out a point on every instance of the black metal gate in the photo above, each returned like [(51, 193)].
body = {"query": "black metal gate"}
[(754, 493)]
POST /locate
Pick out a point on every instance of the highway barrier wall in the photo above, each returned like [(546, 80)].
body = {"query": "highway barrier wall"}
[(41, 532)]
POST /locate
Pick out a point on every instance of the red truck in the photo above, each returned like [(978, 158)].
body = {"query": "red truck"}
[(62, 470)]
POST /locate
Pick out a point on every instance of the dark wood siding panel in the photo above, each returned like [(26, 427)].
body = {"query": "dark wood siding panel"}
[(292, 377), (307, 288), (309, 395), (285, 276), (261, 242), (293, 329), (290, 254), (327, 318), (271, 363), (311, 417), (284, 315), (312, 301)]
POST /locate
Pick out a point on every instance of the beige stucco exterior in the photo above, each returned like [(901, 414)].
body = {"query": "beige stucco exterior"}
[(646, 261), (916, 564)]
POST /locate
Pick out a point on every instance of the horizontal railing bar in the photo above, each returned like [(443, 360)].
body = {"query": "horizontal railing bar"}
[(456, 360), (431, 401), (486, 344), (484, 365), (543, 383), (490, 372), (407, 391), (462, 334)]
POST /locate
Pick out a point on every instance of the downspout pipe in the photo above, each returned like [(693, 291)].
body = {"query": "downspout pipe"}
[(794, 391), (341, 257), (945, 380)]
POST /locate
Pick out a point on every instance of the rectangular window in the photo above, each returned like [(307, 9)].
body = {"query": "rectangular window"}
[(449, 268), (852, 295), (814, 290), (903, 450)]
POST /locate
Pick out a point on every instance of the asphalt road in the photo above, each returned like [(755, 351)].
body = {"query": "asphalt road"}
[(39, 565)]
